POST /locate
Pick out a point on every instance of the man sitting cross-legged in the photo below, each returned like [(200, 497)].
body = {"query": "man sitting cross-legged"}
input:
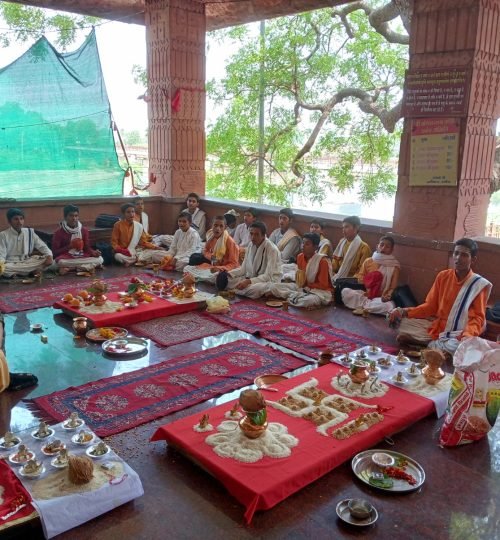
[(128, 239), (313, 285), (71, 244), (220, 253), (377, 279), (348, 256), (454, 309), (19, 245), (185, 242), (325, 246), (261, 266)]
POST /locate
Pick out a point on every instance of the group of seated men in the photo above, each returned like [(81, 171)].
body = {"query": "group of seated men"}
[(304, 270)]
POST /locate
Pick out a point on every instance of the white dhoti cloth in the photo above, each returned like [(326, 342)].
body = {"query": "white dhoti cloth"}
[(26, 266), (357, 300), (158, 256), (418, 329), (85, 263), (125, 259), (304, 298), (145, 255), (255, 290)]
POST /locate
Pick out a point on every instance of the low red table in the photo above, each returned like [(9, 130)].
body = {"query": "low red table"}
[(262, 485), (145, 311)]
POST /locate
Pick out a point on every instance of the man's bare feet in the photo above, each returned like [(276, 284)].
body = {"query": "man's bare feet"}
[(63, 271)]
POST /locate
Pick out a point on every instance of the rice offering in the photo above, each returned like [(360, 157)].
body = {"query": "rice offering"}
[(474, 399)]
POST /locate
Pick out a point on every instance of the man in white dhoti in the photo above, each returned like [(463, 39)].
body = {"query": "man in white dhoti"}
[(454, 309), (313, 285), (129, 240), (22, 252), (378, 277), (185, 242), (71, 244), (261, 266)]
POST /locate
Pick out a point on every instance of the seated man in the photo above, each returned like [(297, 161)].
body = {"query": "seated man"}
[(12, 381), (230, 221), (186, 241), (220, 253), (242, 232), (348, 256), (379, 276), (261, 266), (455, 307), (285, 237), (128, 239), (142, 217), (18, 245), (71, 244), (313, 285), (325, 246), (198, 216)]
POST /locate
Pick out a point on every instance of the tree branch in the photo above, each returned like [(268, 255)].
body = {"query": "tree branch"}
[(366, 103), (379, 18)]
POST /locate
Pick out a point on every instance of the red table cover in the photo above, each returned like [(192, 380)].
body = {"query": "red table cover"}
[(145, 311), (12, 498), (262, 485)]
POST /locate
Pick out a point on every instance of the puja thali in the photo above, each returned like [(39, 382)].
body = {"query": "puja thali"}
[(130, 346), (409, 476), (267, 380), (106, 333)]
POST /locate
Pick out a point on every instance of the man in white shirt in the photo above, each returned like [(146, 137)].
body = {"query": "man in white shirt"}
[(286, 238), (198, 216), (186, 241), (18, 245), (261, 266)]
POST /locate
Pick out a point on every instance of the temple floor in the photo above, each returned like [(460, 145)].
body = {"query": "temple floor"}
[(459, 500)]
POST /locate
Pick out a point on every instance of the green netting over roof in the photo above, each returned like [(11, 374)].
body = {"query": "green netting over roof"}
[(55, 126)]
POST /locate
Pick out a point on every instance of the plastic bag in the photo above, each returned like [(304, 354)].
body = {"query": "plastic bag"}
[(474, 399)]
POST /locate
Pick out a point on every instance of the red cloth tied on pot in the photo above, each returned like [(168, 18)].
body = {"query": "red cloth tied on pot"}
[(373, 284)]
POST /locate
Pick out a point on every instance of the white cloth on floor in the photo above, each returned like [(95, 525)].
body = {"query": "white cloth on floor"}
[(85, 263), (356, 299)]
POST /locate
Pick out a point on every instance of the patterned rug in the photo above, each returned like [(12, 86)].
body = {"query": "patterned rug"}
[(297, 334), (115, 404), (168, 331), (36, 296)]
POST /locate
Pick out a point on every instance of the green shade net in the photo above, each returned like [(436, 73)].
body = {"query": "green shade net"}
[(55, 125)]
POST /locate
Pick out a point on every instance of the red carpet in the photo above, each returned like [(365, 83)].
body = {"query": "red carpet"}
[(294, 333), (168, 331), (38, 296), (115, 404)]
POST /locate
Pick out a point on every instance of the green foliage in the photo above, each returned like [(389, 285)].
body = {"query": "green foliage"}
[(307, 59), (27, 23)]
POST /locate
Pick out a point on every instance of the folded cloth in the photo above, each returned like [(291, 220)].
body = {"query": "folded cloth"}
[(19, 381), (123, 251), (373, 283)]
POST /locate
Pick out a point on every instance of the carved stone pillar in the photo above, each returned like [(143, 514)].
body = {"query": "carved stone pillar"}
[(444, 34), (175, 34)]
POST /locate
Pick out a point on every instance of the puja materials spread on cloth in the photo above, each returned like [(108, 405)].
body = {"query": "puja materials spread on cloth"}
[(58, 480), (474, 400), (317, 406), (354, 386)]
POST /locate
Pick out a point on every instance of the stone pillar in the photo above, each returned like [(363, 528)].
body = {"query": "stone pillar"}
[(175, 35), (455, 33)]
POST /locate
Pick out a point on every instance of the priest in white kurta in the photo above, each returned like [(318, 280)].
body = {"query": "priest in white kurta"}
[(185, 242), (261, 266), (18, 245)]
